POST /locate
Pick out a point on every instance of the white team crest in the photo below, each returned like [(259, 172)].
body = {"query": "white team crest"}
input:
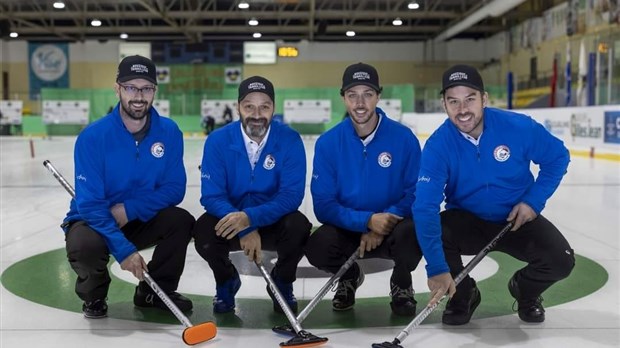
[(269, 163), (385, 159), (501, 153), (157, 150)]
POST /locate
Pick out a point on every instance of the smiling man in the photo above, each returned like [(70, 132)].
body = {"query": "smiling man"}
[(129, 178), (479, 161), (363, 185), (252, 183)]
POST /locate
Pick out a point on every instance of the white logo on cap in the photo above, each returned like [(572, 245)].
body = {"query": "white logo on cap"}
[(256, 85), (139, 68), (458, 76), (361, 75)]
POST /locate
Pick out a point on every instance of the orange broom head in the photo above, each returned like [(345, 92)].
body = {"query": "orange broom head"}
[(199, 333)]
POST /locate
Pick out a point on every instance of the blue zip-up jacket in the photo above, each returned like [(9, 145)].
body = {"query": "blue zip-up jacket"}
[(111, 168), (274, 188), (487, 180), (350, 181)]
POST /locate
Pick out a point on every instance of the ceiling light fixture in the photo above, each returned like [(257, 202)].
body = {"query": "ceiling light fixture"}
[(397, 22), (124, 36), (59, 5), (350, 33), (257, 35), (95, 23), (253, 22), (243, 5), (413, 5), (13, 34)]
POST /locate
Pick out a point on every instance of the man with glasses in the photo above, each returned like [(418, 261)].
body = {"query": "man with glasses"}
[(479, 161), (363, 186), (129, 177)]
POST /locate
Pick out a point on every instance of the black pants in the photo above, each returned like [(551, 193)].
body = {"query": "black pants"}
[(539, 243), (329, 248), (88, 254), (287, 237)]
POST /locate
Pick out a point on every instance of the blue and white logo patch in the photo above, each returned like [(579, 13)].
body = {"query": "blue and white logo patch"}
[(501, 153), (385, 159), (269, 163), (157, 150)]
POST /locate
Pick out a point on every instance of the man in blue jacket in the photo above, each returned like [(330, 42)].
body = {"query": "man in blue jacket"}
[(363, 186), (479, 159), (129, 177), (253, 176)]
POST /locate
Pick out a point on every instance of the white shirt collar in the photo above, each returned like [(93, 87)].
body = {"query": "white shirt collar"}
[(471, 139), (253, 148)]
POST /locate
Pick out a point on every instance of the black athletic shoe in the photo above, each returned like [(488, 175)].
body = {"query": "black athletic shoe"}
[(286, 289), (96, 309), (403, 303), (530, 309), (460, 308), (148, 299), (344, 299)]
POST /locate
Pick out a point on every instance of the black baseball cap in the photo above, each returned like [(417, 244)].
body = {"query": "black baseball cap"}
[(256, 84), (462, 75), (360, 74), (136, 67)]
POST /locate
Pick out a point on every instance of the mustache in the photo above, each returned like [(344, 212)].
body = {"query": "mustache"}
[(256, 119)]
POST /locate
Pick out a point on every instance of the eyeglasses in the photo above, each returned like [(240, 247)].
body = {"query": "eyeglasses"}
[(133, 90)]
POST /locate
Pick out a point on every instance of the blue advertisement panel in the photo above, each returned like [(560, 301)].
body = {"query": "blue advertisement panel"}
[(612, 127), (48, 66)]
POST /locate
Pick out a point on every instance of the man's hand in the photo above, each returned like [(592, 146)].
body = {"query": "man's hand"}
[(439, 286), (383, 223), (135, 264), (251, 245), (369, 241), (521, 214), (120, 216), (231, 224)]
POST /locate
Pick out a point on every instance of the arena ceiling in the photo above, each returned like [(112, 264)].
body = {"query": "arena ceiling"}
[(289, 20)]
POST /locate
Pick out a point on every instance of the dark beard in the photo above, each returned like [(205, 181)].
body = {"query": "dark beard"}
[(134, 115)]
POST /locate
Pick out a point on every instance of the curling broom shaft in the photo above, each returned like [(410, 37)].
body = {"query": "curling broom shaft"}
[(470, 265), (313, 303), (59, 177)]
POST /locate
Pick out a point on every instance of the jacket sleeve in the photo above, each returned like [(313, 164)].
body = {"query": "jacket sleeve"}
[(291, 187), (327, 208), (553, 158), (429, 195), (411, 168), (170, 189), (213, 178), (90, 198)]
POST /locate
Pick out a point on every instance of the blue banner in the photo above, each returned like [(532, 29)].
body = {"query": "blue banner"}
[(510, 88), (48, 67), (612, 127)]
